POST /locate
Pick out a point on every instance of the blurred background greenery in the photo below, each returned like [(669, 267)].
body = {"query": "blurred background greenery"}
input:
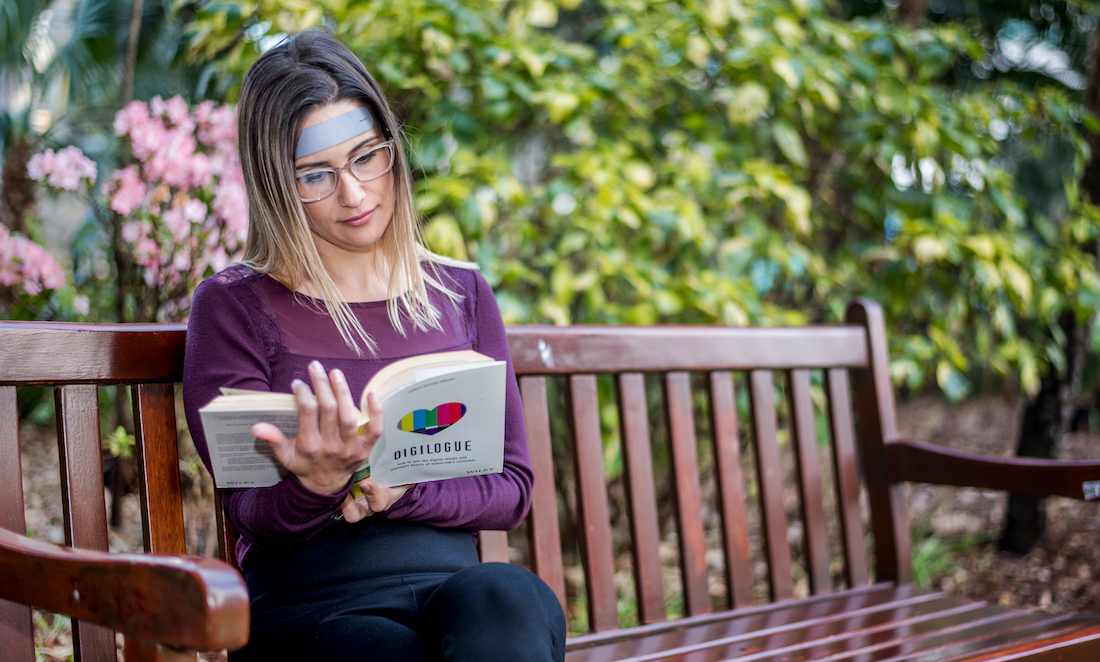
[(685, 161)]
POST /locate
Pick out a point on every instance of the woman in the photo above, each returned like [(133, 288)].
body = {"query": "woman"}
[(334, 286)]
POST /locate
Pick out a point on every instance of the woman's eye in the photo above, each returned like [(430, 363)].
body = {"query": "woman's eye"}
[(363, 159), (313, 177)]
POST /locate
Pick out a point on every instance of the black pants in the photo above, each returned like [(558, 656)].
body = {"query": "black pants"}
[(402, 592)]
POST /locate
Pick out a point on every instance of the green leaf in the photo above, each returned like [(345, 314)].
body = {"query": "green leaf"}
[(789, 142)]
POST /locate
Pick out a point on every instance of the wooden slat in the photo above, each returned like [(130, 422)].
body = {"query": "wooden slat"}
[(939, 638), (773, 517), (876, 425), (731, 491), (581, 349), (878, 634), (80, 454), (594, 515), (90, 353), (846, 471), (641, 497), (767, 621), (493, 546), (227, 535), (689, 499), (543, 528), (804, 434), (157, 457), (16, 630), (1079, 644)]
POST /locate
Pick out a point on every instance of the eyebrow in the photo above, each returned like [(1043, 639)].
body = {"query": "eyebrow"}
[(351, 152)]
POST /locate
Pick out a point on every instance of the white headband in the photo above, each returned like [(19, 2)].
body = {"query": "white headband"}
[(334, 131)]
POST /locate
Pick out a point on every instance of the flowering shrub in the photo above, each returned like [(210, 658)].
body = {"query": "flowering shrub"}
[(180, 202), (28, 266)]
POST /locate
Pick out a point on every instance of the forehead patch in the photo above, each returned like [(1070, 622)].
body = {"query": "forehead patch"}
[(333, 131)]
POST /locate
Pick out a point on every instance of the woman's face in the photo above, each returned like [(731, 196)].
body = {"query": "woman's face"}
[(355, 215)]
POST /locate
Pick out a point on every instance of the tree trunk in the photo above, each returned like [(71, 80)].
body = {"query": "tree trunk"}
[(911, 12), (1048, 417), (130, 63), (1045, 422), (16, 188)]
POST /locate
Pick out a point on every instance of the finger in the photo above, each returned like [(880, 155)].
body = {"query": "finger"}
[(269, 433), (327, 422), (347, 413), (281, 445), (354, 510), (380, 499), (308, 434), (376, 425)]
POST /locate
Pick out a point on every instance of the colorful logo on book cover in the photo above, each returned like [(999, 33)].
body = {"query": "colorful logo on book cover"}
[(431, 421)]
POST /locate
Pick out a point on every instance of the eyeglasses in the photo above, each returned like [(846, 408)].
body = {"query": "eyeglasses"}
[(318, 184)]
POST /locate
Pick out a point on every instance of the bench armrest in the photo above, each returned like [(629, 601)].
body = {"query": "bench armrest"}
[(183, 602), (922, 462)]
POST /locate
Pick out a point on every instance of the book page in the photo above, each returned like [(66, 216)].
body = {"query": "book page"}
[(238, 458)]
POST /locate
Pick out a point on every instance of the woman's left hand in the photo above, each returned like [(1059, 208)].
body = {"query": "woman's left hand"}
[(375, 499)]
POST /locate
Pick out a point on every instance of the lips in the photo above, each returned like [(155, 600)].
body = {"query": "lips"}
[(360, 220)]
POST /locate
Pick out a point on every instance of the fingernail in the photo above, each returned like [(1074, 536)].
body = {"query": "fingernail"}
[(296, 383), (316, 366), (338, 374)]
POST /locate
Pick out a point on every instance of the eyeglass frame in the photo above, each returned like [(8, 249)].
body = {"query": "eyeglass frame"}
[(391, 144)]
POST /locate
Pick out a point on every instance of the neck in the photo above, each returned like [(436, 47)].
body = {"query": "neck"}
[(359, 277)]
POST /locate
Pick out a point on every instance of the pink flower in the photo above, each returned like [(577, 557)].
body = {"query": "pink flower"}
[(39, 166), (147, 137), (177, 223), (24, 262), (200, 171), (194, 210), (130, 192), (67, 169), (134, 114), (81, 304), (178, 113), (132, 231)]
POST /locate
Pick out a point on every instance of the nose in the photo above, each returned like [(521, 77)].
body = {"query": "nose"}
[(349, 190)]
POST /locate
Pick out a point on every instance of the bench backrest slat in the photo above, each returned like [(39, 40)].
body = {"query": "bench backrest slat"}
[(688, 493), (731, 489), (641, 495), (845, 470), (157, 458), (769, 474), (808, 469), (582, 349), (593, 511), (544, 543), (16, 633), (85, 512)]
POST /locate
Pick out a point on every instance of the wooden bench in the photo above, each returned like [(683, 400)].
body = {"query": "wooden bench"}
[(754, 587)]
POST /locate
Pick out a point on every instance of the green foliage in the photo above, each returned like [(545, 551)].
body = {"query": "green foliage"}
[(120, 443), (716, 161)]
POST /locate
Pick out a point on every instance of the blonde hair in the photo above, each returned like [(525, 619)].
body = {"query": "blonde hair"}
[(305, 72)]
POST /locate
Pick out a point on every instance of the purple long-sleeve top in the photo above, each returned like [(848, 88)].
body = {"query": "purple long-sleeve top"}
[(247, 330)]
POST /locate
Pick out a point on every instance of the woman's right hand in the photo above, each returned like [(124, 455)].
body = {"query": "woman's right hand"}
[(329, 446)]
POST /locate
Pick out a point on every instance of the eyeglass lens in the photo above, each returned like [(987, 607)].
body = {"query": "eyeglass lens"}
[(317, 184)]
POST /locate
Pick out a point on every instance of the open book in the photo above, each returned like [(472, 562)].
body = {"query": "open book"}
[(443, 415)]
